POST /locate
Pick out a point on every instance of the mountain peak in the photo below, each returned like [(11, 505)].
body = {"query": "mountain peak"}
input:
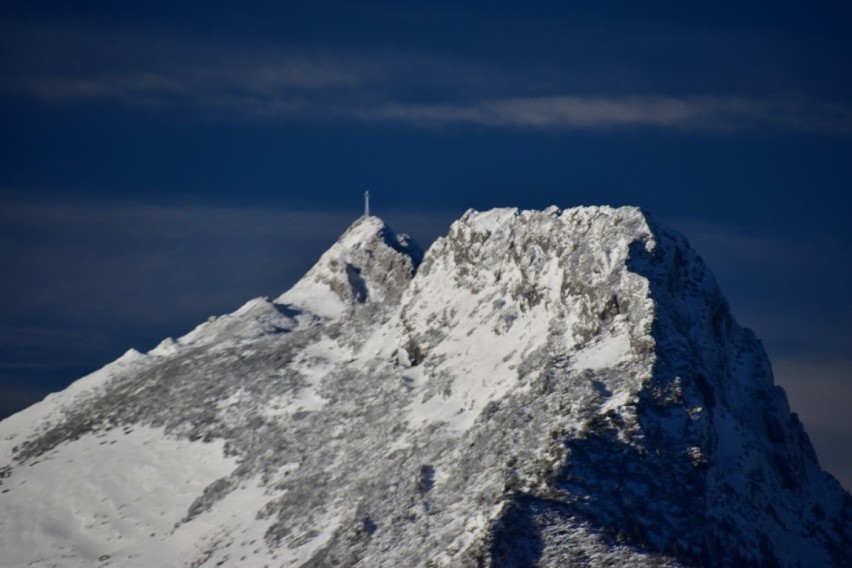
[(369, 263), (547, 388)]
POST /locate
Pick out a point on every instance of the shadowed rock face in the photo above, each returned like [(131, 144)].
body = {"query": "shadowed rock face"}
[(551, 388)]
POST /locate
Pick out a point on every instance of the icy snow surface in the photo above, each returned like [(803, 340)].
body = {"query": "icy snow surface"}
[(541, 388)]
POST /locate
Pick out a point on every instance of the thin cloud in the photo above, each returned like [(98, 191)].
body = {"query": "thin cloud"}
[(304, 91), (68, 64), (219, 81), (201, 82), (568, 112)]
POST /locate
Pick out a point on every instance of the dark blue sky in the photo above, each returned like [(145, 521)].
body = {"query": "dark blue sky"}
[(161, 163)]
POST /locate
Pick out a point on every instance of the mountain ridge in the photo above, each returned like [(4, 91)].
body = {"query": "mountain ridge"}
[(540, 388)]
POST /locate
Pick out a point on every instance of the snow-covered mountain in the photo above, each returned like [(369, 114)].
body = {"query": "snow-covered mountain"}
[(541, 388)]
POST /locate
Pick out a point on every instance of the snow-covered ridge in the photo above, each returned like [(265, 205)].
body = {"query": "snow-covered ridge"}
[(546, 388)]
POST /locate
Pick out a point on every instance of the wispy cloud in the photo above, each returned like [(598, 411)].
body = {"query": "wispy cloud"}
[(201, 81), (708, 113), (305, 92), (415, 89)]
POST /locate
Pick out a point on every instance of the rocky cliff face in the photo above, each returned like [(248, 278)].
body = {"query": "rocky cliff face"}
[(549, 388)]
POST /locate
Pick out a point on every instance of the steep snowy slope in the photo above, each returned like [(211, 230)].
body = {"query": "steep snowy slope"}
[(548, 388)]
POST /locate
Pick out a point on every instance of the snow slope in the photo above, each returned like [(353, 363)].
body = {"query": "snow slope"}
[(541, 388)]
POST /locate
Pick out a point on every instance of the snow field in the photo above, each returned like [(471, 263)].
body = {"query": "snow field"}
[(116, 502)]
